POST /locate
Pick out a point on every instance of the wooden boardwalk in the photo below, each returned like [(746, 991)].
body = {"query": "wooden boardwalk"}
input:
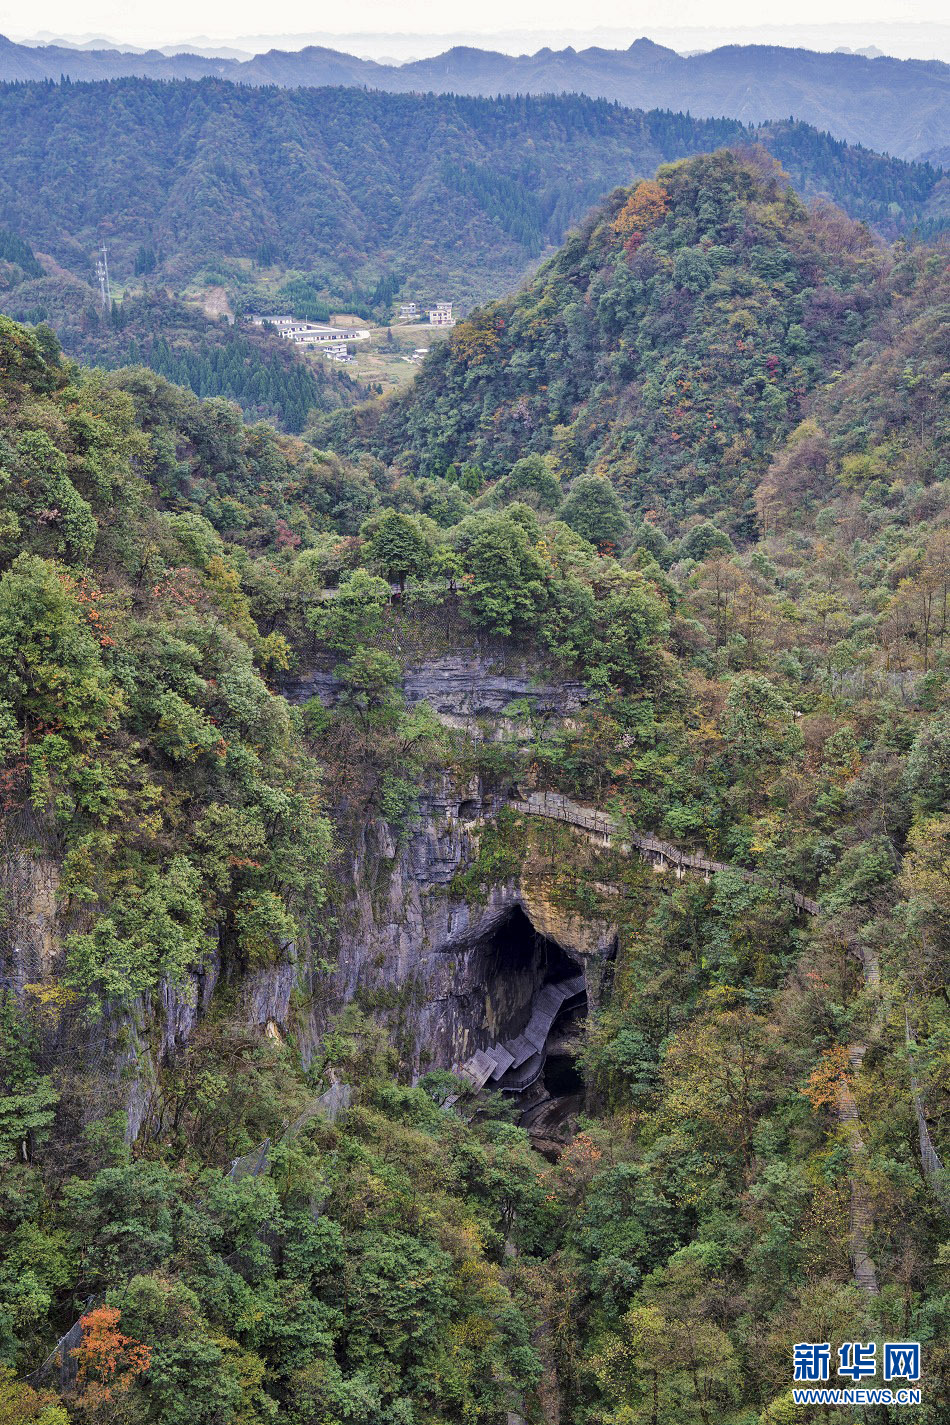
[(515, 1065), (611, 831)]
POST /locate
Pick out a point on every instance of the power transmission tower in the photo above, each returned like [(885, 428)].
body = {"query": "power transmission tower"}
[(102, 272)]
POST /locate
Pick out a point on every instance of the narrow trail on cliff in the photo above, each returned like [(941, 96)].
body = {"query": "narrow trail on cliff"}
[(613, 831), (861, 1220)]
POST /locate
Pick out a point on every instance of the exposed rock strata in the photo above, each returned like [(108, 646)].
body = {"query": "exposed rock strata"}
[(413, 951), (465, 692)]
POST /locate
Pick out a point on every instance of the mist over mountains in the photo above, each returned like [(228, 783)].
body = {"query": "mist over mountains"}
[(899, 106)]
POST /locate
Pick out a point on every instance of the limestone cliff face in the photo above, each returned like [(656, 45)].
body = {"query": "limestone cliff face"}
[(473, 693), (435, 968), (446, 975), (416, 954)]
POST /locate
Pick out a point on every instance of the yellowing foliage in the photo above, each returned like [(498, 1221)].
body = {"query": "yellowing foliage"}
[(646, 206), (474, 343), (824, 1082)]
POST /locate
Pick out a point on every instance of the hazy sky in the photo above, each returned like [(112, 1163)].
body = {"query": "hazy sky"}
[(175, 20)]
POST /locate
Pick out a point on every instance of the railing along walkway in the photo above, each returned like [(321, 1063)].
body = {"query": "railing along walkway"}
[(555, 807)]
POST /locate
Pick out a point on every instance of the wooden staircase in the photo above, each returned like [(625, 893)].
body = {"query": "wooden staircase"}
[(516, 1064), (861, 1220)]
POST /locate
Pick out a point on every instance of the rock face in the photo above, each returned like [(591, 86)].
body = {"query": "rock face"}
[(466, 692), (449, 977), (30, 927), (446, 976), (463, 692)]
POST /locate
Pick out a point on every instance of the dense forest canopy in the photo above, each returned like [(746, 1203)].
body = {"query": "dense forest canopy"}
[(215, 181), (214, 199), (673, 345), (700, 467)]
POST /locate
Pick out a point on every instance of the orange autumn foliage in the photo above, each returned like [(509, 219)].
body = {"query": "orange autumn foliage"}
[(108, 1361), (825, 1080), (646, 206)]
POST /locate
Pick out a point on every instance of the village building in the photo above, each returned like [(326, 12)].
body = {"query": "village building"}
[(441, 315), (313, 333), (408, 311)]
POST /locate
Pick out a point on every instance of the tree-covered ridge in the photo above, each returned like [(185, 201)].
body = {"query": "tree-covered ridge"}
[(454, 195), (213, 357), (672, 344), (776, 696), (320, 200)]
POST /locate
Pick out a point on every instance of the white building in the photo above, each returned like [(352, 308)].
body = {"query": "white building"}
[(408, 311), (313, 333), (441, 315)]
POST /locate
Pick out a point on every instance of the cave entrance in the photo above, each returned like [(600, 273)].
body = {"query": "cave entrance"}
[(562, 1076), (519, 962), (535, 996)]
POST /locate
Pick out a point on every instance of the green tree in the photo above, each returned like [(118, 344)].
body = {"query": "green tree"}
[(593, 509), (355, 615), (396, 546), (52, 674), (532, 480), (505, 576), (759, 724), (703, 540)]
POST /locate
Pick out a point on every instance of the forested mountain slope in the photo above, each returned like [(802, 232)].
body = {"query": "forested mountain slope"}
[(200, 877), (896, 105), (213, 356), (236, 199), (450, 196), (673, 345)]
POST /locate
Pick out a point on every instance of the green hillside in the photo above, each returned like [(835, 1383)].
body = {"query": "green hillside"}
[(215, 197), (214, 182), (232, 1159), (673, 345)]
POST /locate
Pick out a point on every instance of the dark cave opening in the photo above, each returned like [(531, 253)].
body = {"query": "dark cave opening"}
[(516, 945), (519, 962), (562, 1076), (535, 1001)]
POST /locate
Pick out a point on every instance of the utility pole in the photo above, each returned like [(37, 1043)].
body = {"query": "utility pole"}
[(102, 272)]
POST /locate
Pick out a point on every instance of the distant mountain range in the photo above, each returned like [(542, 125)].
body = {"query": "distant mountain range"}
[(898, 106)]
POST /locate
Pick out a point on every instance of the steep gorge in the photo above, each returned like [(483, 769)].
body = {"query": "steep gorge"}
[(323, 780)]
